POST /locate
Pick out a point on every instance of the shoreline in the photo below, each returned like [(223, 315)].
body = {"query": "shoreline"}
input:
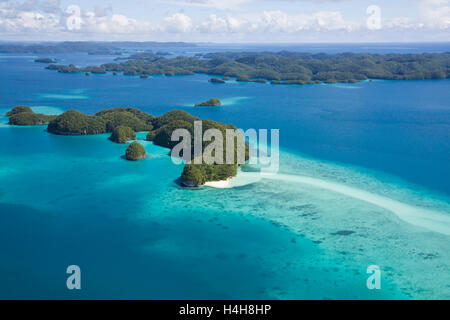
[(222, 184)]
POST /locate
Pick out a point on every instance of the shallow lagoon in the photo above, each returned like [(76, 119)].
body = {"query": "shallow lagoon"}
[(135, 234)]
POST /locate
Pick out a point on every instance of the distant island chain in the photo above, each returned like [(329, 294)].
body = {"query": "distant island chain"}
[(279, 68)]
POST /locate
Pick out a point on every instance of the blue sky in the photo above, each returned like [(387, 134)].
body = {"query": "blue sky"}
[(226, 20)]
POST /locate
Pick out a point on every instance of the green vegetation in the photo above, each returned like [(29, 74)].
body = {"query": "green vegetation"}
[(73, 69), (18, 109), (122, 134), (24, 116), (162, 136), (135, 151), (245, 79), (285, 67), (126, 116), (195, 174), (73, 122), (210, 103), (29, 119), (171, 116)]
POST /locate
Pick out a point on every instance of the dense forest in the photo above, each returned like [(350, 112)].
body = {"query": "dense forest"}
[(284, 67), (213, 102), (24, 116), (135, 152)]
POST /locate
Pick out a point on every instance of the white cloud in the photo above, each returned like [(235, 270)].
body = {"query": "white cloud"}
[(277, 22), (47, 16), (115, 24), (177, 23), (216, 4), (436, 13), (14, 21)]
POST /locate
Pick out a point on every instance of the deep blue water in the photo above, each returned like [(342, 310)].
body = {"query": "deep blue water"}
[(135, 234)]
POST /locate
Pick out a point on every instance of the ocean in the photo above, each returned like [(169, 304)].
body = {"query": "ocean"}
[(364, 180)]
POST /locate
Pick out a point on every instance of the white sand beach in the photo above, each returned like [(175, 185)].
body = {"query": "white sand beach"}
[(223, 184)]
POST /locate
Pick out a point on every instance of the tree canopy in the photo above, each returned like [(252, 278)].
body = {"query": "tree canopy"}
[(209, 103), (24, 116), (122, 134), (74, 122), (135, 151), (196, 174)]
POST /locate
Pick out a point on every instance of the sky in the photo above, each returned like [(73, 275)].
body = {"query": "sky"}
[(227, 21)]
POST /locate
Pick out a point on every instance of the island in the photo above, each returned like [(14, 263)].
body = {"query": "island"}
[(73, 122), (17, 110), (284, 67), (135, 152), (124, 122), (195, 175), (214, 102), (90, 47), (24, 116), (45, 60), (301, 82), (216, 80), (122, 134), (245, 79)]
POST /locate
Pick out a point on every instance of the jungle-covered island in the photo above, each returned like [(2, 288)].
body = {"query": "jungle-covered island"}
[(124, 122), (24, 116), (213, 102), (135, 152), (284, 67)]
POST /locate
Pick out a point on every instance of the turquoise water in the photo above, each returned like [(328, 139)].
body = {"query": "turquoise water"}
[(378, 154)]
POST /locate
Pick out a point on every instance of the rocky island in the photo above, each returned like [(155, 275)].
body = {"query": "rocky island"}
[(24, 116), (135, 152), (195, 175), (45, 60), (214, 102)]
